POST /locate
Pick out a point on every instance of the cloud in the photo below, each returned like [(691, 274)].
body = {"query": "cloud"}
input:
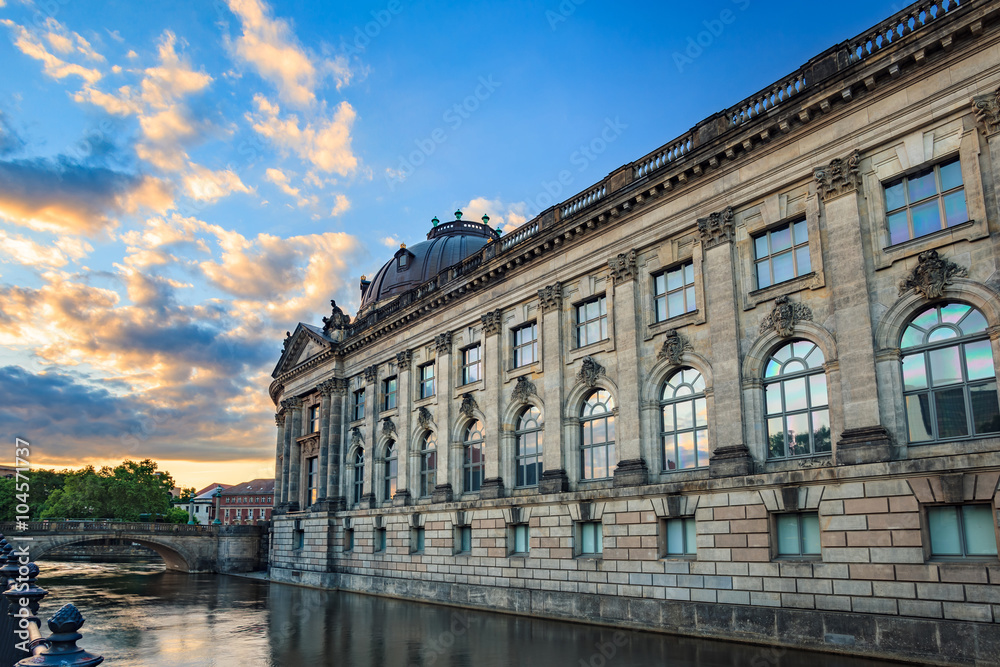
[(391, 242), (269, 45), (63, 196), (282, 180), (340, 206), (33, 47), (10, 140), (25, 251), (67, 42), (507, 216), (204, 184), (326, 145)]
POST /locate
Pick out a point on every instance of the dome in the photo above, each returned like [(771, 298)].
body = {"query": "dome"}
[(447, 244)]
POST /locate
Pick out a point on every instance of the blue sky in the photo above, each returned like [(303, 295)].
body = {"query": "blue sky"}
[(181, 182)]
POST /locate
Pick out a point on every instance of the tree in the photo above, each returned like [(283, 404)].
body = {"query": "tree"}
[(8, 501), (83, 495), (177, 515), (136, 488)]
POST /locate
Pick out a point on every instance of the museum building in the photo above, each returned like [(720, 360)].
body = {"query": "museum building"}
[(744, 387)]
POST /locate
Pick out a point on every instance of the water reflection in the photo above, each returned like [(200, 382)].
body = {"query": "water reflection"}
[(138, 614)]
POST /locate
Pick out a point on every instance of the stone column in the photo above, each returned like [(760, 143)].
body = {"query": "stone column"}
[(404, 362), (554, 477), (731, 455), (443, 492), (493, 342), (334, 485), (863, 440), (370, 434), (325, 390), (631, 469), (279, 459), (286, 455), (294, 468)]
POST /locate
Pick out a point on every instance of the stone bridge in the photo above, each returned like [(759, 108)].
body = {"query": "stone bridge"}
[(182, 547)]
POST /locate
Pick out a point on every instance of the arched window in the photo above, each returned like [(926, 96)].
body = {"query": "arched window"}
[(949, 380), (528, 448), (390, 471), (472, 456), (598, 436), (428, 464), (684, 421), (798, 414), (359, 475)]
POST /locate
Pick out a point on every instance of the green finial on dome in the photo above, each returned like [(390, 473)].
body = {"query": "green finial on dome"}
[(435, 221), (499, 231), (486, 220), (458, 214)]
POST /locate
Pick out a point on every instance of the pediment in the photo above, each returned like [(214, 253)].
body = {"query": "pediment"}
[(300, 347)]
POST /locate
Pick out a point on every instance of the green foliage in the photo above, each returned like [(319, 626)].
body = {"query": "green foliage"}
[(177, 515), (7, 499), (125, 492), (185, 496)]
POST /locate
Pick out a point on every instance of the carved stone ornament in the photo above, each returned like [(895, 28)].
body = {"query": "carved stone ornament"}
[(279, 419), (590, 371), (783, 317), (424, 417), (403, 359), (388, 427), (468, 406), (931, 275), (371, 373), (284, 344), (442, 342), (523, 389), (337, 319), (623, 267), (327, 387), (717, 228), (839, 177), (673, 346), (492, 322), (340, 386), (550, 297), (357, 440), (987, 108), (291, 403)]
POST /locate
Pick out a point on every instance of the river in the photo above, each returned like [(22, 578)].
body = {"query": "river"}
[(140, 615)]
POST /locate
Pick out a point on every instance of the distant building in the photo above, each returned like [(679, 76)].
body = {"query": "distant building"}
[(7, 471), (202, 505), (246, 503)]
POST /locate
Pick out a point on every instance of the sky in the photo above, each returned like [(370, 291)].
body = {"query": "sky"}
[(183, 181)]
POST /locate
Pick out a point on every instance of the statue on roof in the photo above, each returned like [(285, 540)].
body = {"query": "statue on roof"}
[(337, 319)]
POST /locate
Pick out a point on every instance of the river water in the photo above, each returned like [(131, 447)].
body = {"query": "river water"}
[(140, 615)]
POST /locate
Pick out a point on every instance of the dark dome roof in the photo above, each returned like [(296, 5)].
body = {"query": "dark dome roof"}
[(447, 244)]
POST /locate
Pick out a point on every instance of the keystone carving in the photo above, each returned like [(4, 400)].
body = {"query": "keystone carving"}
[(371, 373), (468, 406), (550, 297), (623, 267), (783, 317), (987, 108), (839, 177), (357, 440), (403, 360), (931, 275), (492, 321), (717, 228), (590, 371), (523, 389), (442, 342), (337, 319), (673, 346), (388, 427), (424, 417)]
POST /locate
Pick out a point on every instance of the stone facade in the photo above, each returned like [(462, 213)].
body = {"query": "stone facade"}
[(670, 274)]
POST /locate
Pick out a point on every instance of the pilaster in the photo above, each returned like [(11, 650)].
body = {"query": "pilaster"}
[(370, 431), (404, 361), (279, 457), (446, 396), (334, 483), (493, 342), (554, 477), (295, 458)]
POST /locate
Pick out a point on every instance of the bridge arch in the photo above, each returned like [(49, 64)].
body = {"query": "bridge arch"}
[(175, 557)]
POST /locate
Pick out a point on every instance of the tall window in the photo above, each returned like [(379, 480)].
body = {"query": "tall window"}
[(685, 421), (390, 471), (428, 464), (962, 531), (312, 485), (359, 475), (473, 464), (798, 414), (925, 202), (463, 539), (471, 364), (389, 391), (782, 254), (526, 345), (528, 448), (798, 534), (674, 290), (427, 380), (592, 321), (521, 542), (949, 380), (358, 405), (314, 419), (598, 435)]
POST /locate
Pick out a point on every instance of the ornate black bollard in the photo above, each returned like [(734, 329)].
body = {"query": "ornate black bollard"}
[(8, 576), (60, 649)]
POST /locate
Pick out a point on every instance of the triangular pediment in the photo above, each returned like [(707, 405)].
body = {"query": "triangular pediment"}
[(304, 344)]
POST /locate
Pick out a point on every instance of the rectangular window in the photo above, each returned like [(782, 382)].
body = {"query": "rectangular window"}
[(471, 364), (358, 410), (380, 539), (313, 477), (962, 531), (925, 202), (591, 538), (389, 391), (427, 380), (674, 292), (349, 539), (592, 322), (314, 419), (298, 539), (526, 345), (463, 539), (781, 254), (797, 535), (680, 537), (521, 540), (417, 540)]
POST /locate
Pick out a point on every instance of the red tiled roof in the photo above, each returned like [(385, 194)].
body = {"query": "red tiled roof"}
[(256, 486), (212, 487)]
